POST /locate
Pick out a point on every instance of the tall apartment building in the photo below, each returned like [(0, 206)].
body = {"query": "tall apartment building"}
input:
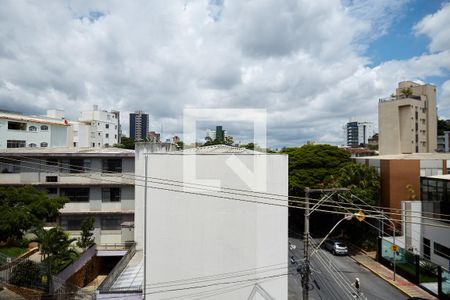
[(358, 133), (407, 120), (138, 125), (96, 128), (98, 183), (443, 142), (19, 131)]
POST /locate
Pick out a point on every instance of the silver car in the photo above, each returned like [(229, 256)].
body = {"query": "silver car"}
[(336, 247)]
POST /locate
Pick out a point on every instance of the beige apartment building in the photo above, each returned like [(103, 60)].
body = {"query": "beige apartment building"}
[(407, 120)]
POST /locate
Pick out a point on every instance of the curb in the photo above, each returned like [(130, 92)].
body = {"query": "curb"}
[(382, 277)]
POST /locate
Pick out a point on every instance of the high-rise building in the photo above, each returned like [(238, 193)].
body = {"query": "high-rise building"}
[(407, 120), (220, 133), (138, 125), (358, 133)]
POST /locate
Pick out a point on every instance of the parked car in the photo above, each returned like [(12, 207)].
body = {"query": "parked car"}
[(336, 247)]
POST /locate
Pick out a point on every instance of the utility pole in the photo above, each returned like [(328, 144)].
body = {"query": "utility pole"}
[(308, 211), (305, 281)]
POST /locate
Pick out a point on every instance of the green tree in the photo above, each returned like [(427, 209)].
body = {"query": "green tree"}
[(313, 165), (443, 125), (86, 240), (363, 181), (27, 273), (23, 208), (56, 248), (125, 143), (407, 92)]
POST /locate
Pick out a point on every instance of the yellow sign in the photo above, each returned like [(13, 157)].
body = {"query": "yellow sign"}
[(360, 215), (394, 248)]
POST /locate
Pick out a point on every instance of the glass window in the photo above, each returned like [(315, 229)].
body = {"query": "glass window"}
[(17, 125), (9, 166), (32, 128), (111, 223), (32, 145), (44, 144), (107, 135), (111, 194), (76, 194), (72, 223), (44, 127), (52, 162), (51, 178), (426, 248), (106, 126), (112, 166), (441, 250), (15, 144)]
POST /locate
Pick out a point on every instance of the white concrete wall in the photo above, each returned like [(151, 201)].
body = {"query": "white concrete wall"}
[(439, 235), (189, 236)]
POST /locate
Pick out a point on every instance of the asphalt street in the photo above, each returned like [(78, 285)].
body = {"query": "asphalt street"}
[(333, 276)]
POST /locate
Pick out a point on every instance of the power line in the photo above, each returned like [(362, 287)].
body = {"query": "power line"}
[(134, 176), (243, 200)]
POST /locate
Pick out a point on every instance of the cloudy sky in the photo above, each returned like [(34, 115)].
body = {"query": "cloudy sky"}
[(312, 65)]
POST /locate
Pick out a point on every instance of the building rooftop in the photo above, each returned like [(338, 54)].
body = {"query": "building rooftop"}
[(218, 149), (66, 151), (413, 156), (445, 176), (36, 119)]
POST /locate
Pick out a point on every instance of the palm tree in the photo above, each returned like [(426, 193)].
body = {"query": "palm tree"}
[(407, 92), (55, 246)]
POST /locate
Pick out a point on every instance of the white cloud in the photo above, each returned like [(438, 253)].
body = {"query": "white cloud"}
[(437, 28), (299, 59)]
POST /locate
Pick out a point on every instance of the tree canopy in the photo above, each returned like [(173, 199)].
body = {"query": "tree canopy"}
[(23, 208), (312, 166)]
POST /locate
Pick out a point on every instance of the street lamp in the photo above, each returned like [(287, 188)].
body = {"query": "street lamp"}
[(347, 217)]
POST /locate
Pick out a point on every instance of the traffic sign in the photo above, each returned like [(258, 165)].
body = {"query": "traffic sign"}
[(360, 215), (394, 248)]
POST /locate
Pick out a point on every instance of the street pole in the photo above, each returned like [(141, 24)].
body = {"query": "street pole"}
[(144, 288), (305, 281)]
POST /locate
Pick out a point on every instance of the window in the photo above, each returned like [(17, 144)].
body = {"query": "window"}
[(93, 144), (107, 135), (74, 144), (426, 248), (8, 166), (44, 144), (110, 194), (52, 162), (32, 128), (111, 223), (52, 191), (32, 145), (15, 144), (441, 250), (51, 178), (75, 165), (107, 126), (17, 125), (44, 127), (72, 223), (76, 194), (112, 166)]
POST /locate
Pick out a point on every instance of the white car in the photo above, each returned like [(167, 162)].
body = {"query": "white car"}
[(336, 247)]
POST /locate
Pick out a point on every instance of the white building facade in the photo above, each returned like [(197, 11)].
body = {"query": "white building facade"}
[(192, 232), (98, 183), (19, 131), (96, 128)]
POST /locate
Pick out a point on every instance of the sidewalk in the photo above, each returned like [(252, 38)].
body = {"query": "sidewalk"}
[(386, 274)]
